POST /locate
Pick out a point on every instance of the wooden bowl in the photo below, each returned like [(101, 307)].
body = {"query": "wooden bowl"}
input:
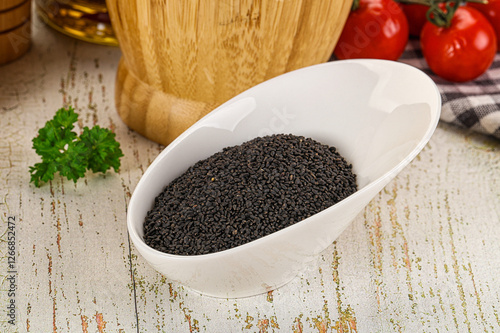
[(15, 29), (181, 59)]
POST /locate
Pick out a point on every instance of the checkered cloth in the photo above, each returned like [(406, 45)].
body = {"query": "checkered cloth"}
[(474, 105)]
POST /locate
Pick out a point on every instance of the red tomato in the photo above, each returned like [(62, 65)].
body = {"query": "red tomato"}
[(492, 12), (376, 29), (416, 15), (464, 50)]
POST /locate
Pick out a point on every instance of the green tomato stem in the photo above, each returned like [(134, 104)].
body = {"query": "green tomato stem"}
[(439, 17), (355, 5), (436, 14), (428, 2)]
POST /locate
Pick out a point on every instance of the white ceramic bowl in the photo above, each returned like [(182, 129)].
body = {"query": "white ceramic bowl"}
[(379, 114)]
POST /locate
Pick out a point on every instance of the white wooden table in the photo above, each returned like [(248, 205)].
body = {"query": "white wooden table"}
[(424, 256)]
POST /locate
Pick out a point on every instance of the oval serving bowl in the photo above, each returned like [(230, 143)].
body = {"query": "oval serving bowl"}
[(378, 114)]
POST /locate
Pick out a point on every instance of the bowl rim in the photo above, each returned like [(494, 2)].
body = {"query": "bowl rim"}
[(435, 116)]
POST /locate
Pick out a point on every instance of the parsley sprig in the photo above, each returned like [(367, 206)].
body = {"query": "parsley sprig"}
[(63, 151)]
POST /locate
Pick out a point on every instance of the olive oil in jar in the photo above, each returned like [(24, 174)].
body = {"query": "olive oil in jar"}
[(87, 20)]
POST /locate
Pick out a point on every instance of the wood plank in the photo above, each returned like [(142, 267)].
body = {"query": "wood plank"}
[(423, 256)]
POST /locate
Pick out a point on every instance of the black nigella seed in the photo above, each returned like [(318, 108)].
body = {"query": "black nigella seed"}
[(246, 192)]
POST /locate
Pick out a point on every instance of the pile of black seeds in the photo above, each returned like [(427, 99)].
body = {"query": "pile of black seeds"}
[(246, 192)]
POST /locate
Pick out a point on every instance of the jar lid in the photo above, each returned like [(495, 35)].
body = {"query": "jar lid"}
[(14, 43), (15, 17), (8, 4)]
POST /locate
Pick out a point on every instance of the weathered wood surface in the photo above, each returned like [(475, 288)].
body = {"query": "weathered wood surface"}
[(424, 256)]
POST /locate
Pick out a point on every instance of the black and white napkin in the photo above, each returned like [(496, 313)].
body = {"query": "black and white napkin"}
[(474, 105)]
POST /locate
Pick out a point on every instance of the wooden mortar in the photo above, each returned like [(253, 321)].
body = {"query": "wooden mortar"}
[(183, 58)]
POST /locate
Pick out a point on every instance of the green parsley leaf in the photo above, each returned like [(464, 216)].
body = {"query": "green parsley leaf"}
[(104, 151), (55, 135), (66, 118), (42, 172), (63, 151), (73, 164)]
